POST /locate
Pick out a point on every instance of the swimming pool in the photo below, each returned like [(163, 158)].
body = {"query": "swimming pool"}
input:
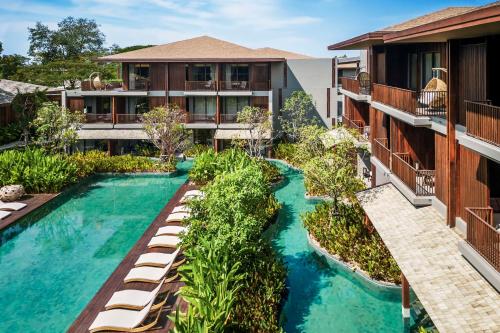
[(322, 296), (55, 260)]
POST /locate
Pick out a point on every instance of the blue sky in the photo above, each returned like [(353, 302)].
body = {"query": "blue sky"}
[(302, 26)]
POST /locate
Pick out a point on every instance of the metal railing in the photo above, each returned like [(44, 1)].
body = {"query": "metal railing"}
[(234, 85), (355, 85), (92, 118), (139, 83), (482, 235), (483, 121), (421, 103), (200, 85), (194, 118), (229, 117), (420, 182), (358, 126), (381, 151), (125, 118)]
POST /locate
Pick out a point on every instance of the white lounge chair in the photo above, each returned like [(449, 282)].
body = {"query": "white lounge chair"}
[(194, 193), (124, 320), (157, 259), (164, 241), (4, 214), (150, 274), (177, 217), (133, 299), (170, 230), (12, 205), (181, 209)]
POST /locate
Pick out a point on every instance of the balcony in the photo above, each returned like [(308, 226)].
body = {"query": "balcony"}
[(381, 151), (87, 85), (234, 85), (359, 86), (421, 103), (126, 118), (358, 126), (200, 86), (96, 118), (229, 118), (482, 235), (483, 121), (420, 182), (201, 118)]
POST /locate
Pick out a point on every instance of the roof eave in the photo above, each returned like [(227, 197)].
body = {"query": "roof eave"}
[(104, 59), (475, 18), (359, 42)]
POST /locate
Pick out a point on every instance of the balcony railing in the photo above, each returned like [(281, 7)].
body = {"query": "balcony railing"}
[(421, 103), (482, 235), (355, 85), (234, 85), (139, 83), (229, 117), (421, 182), (194, 118), (381, 151), (483, 121), (200, 85), (125, 118), (92, 118), (358, 126), (86, 85)]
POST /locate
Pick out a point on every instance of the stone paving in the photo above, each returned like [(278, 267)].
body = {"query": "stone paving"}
[(454, 294)]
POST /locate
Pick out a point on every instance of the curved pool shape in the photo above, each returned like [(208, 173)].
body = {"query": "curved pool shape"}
[(55, 260), (323, 296)]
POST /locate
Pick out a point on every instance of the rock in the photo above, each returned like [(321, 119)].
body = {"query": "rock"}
[(11, 193)]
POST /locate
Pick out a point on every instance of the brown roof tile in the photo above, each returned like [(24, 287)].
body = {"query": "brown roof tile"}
[(200, 48)]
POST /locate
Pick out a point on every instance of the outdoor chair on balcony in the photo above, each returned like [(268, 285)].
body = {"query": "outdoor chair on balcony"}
[(134, 299), (209, 84), (434, 94)]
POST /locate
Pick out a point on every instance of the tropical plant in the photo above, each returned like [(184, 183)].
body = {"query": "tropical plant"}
[(164, 126), (345, 235), (297, 112), (57, 127), (10, 132), (196, 150), (258, 123), (37, 171), (25, 106), (287, 152)]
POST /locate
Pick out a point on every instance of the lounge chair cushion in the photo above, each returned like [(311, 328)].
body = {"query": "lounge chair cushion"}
[(155, 259), (132, 298), (181, 209), (12, 205), (3, 214), (170, 230), (164, 241), (120, 319), (177, 217)]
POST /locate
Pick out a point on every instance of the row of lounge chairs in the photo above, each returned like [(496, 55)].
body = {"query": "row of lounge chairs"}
[(127, 310), (7, 207)]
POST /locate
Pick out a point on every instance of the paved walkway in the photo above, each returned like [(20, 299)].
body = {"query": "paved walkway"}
[(454, 294)]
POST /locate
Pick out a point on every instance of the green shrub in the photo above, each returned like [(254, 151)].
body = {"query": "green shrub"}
[(10, 133), (287, 152), (344, 235), (196, 150), (209, 164), (96, 161), (36, 171), (237, 208)]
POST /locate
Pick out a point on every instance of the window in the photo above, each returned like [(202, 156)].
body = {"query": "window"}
[(233, 105), (430, 60), (204, 105), (103, 105), (138, 76), (412, 71), (239, 72), (138, 105), (202, 72)]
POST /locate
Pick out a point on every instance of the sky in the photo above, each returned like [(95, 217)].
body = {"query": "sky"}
[(306, 26)]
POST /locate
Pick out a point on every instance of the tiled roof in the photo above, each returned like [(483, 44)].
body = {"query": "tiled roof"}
[(9, 89), (429, 18), (203, 47)]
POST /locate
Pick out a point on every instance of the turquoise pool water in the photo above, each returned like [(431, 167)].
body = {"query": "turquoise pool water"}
[(323, 297), (50, 270)]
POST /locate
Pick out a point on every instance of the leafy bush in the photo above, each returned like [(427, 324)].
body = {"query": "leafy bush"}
[(196, 150), (9, 133), (209, 164), (36, 171), (287, 152), (96, 161), (237, 208), (343, 234)]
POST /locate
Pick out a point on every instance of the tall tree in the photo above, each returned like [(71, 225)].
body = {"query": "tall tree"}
[(73, 38), (25, 106), (164, 125), (258, 123), (11, 64), (297, 112)]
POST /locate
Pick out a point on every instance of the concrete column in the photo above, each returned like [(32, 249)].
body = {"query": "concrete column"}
[(405, 296)]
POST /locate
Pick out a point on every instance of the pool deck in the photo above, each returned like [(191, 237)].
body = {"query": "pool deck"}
[(115, 281), (33, 201)]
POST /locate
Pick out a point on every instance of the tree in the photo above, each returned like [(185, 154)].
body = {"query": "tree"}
[(57, 127), (297, 112), (258, 122), (11, 64), (334, 174), (73, 38), (310, 143), (25, 106), (164, 125)]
